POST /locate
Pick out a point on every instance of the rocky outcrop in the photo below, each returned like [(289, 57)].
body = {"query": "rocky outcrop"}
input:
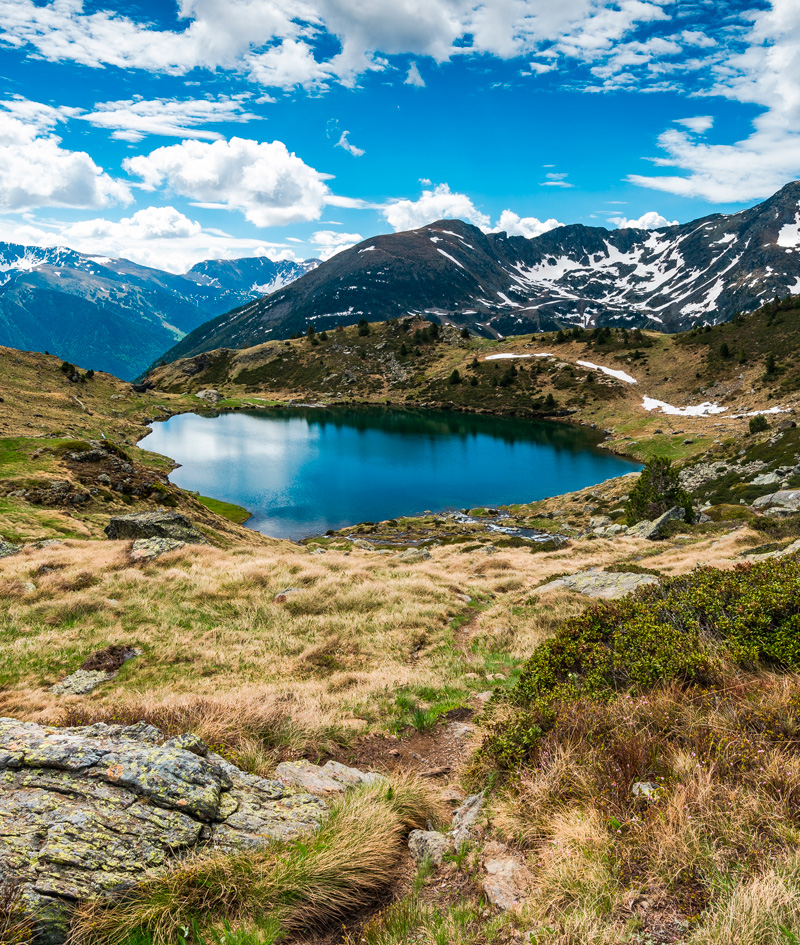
[(210, 396), (655, 529), (7, 548), (143, 525), (145, 549), (606, 584), (787, 501), (89, 811)]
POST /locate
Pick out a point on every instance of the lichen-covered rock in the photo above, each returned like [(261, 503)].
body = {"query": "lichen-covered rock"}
[(654, 530), (787, 500), (145, 549), (465, 817), (154, 525), (428, 845), (605, 584), (90, 811), (209, 395), (413, 554), (81, 682), (7, 548)]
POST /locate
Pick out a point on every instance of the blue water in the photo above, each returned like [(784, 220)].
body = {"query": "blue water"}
[(301, 471)]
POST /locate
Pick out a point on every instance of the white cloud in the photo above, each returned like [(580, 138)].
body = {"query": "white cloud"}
[(276, 42), (161, 237), (413, 77), (515, 225), (766, 73), (328, 242), (556, 180), (349, 146), (265, 181), (699, 124), (647, 221), (131, 120), (440, 203), (35, 171)]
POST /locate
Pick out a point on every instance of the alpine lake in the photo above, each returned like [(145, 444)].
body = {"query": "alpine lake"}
[(301, 471)]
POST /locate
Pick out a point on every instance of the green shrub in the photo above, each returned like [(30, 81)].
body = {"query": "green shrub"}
[(455, 377), (657, 490), (758, 424), (685, 630)]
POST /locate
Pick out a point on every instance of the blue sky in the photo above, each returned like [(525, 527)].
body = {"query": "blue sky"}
[(171, 132)]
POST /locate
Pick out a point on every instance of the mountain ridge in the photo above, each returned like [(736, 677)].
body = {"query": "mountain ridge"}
[(495, 284), (114, 314)]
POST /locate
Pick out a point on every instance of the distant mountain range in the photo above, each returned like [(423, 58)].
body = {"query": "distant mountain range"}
[(497, 285), (114, 315)]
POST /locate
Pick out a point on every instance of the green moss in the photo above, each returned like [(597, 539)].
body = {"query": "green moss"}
[(234, 513)]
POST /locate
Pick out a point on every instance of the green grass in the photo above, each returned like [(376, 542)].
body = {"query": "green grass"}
[(233, 513)]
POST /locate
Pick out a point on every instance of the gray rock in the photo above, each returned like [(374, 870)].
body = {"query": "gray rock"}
[(609, 585), (428, 845), (413, 554), (7, 548), (655, 529), (646, 790), (309, 777), (506, 878), (466, 815), (145, 549), (599, 521), (786, 499), (766, 479), (154, 525), (81, 682), (93, 810), (209, 395)]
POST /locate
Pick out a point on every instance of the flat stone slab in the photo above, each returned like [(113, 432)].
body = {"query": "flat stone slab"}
[(145, 549), (94, 810), (788, 499), (609, 585), (81, 682)]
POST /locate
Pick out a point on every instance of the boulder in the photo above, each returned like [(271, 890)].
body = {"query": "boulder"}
[(209, 395), (428, 845), (145, 549), (787, 500), (655, 529), (506, 877), (81, 682), (609, 585), (154, 525), (413, 554), (94, 810), (7, 548)]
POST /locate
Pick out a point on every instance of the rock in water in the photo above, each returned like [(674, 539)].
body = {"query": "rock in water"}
[(94, 810), (154, 525)]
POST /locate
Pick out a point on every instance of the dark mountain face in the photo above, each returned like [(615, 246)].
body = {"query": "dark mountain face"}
[(670, 279), (112, 314)]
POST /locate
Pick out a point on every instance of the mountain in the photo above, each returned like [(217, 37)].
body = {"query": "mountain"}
[(112, 314), (497, 285)]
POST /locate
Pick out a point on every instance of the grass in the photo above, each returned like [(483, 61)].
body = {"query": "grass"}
[(313, 882), (234, 513)]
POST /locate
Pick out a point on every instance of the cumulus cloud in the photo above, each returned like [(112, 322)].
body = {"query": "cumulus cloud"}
[(699, 124), (283, 43), (161, 237), (515, 225), (413, 77), (440, 203), (35, 171), (766, 73), (348, 146), (651, 220), (132, 119), (329, 242), (263, 180)]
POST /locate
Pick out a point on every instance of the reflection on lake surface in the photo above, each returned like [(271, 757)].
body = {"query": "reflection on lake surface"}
[(301, 471)]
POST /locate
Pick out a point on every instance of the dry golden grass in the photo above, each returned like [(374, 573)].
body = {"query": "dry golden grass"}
[(313, 882)]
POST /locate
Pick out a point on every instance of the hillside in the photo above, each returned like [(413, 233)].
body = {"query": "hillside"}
[(625, 788), (115, 315), (499, 285)]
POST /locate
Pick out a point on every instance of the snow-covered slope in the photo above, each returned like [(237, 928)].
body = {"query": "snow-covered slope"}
[(669, 279), (112, 314)]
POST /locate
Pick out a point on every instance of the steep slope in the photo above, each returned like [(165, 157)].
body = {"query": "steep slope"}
[(112, 314), (670, 279)]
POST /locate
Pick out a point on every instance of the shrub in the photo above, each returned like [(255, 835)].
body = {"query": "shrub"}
[(687, 630), (724, 350), (465, 333), (363, 328), (758, 424), (657, 490), (455, 377)]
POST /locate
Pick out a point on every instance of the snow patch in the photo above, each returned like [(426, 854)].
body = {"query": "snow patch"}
[(699, 410), (789, 235), (451, 258), (620, 375), (367, 249)]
